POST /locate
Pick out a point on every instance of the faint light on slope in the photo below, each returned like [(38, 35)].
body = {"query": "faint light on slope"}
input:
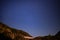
[(28, 37)]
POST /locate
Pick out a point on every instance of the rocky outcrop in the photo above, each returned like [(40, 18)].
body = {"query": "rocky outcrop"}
[(11, 33)]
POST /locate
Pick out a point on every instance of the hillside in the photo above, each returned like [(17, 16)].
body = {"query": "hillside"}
[(49, 37), (8, 33)]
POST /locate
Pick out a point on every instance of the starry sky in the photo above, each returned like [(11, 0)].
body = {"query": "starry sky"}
[(36, 17)]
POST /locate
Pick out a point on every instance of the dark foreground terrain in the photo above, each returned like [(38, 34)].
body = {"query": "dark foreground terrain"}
[(7, 33), (49, 37)]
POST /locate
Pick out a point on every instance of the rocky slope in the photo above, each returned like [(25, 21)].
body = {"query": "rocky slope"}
[(7, 33)]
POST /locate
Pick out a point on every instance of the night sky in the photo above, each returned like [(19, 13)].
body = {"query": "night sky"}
[(36, 17)]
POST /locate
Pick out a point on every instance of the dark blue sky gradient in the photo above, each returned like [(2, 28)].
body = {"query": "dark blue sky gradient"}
[(38, 18)]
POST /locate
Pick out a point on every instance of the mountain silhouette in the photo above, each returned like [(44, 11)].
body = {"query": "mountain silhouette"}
[(8, 33), (49, 37), (58, 34)]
